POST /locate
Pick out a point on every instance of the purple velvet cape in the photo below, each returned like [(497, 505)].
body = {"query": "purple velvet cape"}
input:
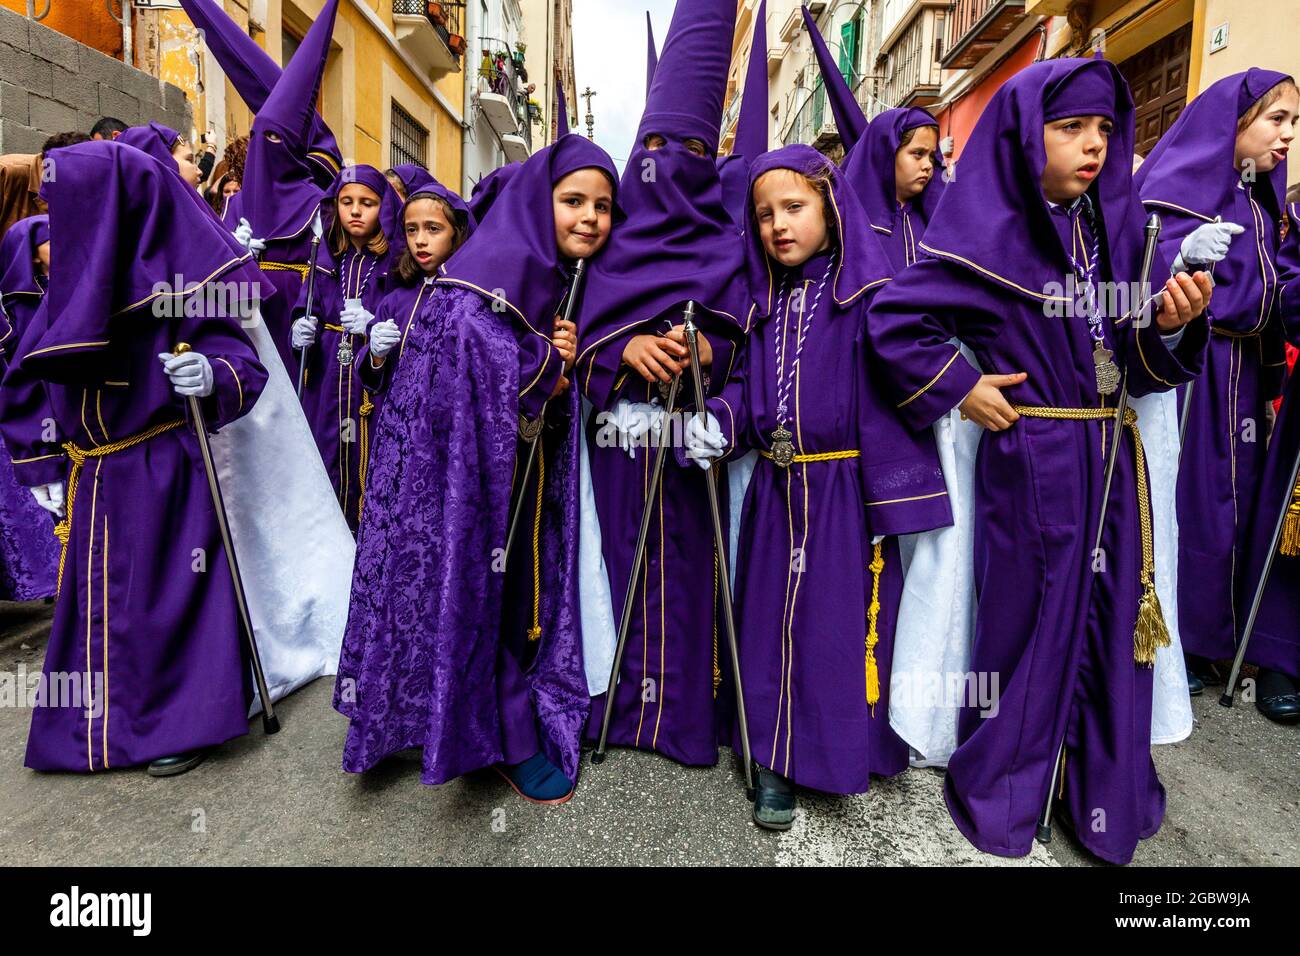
[(430, 658), (29, 552), (1058, 638)]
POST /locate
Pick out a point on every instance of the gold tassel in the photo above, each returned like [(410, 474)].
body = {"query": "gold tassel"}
[(1151, 632), (873, 612), (1290, 545)]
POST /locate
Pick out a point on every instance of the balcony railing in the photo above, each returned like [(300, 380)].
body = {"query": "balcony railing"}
[(975, 27), (911, 68), (432, 32), (501, 76)]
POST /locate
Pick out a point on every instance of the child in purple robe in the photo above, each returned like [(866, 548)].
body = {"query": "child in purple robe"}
[(815, 570), (152, 644), (1275, 641), (679, 244), (29, 552), (897, 172), (436, 222), (1045, 195), (1217, 180), (429, 659), (362, 217)]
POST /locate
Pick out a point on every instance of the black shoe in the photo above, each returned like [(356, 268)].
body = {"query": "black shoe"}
[(1205, 670), (1277, 697), (773, 801), (1195, 686), (178, 764)]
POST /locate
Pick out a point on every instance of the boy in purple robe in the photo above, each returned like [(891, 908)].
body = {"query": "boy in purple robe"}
[(815, 569), (1045, 193), (152, 644), (1275, 642), (428, 659), (281, 191), (679, 244), (1217, 179), (29, 553), (165, 145), (897, 172), (362, 219)]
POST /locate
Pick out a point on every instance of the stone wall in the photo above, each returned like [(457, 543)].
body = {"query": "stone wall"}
[(52, 84)]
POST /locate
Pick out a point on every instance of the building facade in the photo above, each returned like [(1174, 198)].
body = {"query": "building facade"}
[(951, 56)]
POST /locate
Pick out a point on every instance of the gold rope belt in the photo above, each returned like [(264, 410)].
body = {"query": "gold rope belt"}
[(820, 456), (367, 407), (301, 268), (78, 457), (1151, 631)]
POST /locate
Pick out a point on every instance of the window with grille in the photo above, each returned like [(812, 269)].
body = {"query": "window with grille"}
[(410, 140)]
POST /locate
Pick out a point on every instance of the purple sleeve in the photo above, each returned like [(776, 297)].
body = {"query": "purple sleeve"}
[(27, 424), (903, 488), (910, 324)]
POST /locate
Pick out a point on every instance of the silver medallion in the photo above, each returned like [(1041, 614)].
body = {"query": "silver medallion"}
[(1108, 376), (345, 351), (782, 447)]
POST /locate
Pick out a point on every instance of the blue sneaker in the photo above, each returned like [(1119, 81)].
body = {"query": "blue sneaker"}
[(537, 780)]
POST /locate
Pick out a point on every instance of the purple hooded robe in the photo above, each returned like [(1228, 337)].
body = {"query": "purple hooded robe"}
[(815, 692), (1058, 638), (1189, 179), (159, 650)]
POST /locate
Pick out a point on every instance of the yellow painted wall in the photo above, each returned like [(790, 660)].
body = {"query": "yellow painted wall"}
[(363, 76)]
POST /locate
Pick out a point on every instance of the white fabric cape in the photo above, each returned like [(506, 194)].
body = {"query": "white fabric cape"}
[(294, 547), (936, 623)]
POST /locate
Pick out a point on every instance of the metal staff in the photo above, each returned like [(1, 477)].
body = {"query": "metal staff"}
[(531, 432), (1044, 831), (317, 229), (720, 544), (1225, 699), (638, 558), (270, 723)]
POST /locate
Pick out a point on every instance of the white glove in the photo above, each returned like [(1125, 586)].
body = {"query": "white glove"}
[(190, 373), (244, 236), (704, 439), (384, 337), (50, 497), (356, 319), (1206, 244), (636, 420), (304, 332)]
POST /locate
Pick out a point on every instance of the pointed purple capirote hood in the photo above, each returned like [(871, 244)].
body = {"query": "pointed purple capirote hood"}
[(254, 74), (561, 109), (690, 81), (752, 126), (849, 118), (651, 55), (280, 194)]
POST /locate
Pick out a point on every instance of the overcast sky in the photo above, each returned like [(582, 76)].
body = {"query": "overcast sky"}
[(609, 56)]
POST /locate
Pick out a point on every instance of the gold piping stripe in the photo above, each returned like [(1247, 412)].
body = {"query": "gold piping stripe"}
[(953, 257), (69, 345), (898, 501), (1175, 206), (221, 269), (925, 388), (25, 461), (236, 378)]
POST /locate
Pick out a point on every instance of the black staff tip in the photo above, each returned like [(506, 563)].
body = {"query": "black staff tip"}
[(271, 724), (1225, 700), (1043, 834), (597, 757)]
